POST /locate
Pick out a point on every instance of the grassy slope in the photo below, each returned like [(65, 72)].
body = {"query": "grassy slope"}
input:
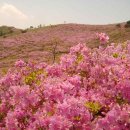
[(37, 44), (6, 31)]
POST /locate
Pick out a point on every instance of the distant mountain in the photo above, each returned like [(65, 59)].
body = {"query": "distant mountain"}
[(38, 43)]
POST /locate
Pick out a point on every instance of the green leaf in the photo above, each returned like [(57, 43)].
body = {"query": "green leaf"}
[(94, 107), (115, 55)]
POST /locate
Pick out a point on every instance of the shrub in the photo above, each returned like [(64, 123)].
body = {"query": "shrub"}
[(31, 27), (88, 89), (127, 25), (24, 31), (128, 22)]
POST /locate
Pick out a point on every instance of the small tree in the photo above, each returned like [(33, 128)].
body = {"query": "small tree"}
[(31, 27), (127, 25), (54, 43), (128, 22), (39, 26), (54, 50)]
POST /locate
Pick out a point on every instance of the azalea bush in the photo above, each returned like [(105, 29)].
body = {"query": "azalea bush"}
[(88, 90)]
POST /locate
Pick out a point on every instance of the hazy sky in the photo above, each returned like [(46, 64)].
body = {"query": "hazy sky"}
[(24, 13)]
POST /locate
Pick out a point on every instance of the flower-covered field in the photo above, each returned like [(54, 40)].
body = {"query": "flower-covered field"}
[(88, 90), (37, 44)]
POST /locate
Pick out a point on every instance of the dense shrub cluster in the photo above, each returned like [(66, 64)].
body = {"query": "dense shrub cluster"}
[(88, 90)]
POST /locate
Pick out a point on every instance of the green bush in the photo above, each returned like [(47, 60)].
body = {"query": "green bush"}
[(127, 25), (128, 22), (4, 30)]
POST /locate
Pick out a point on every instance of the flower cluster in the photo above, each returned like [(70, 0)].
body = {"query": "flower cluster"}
[(104, 38), (88, 90)]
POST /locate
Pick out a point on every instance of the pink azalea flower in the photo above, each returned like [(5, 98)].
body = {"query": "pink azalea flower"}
[(103, 37), (20, 63)]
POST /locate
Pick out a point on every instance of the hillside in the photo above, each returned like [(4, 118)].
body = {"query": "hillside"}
[(38, 44), (6, 31)]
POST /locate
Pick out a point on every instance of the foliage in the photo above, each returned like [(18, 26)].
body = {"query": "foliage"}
[(4, 30), (127, 25), (94, 107), (128, 22)]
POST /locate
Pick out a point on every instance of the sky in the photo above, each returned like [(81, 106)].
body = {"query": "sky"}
[(26, 13)]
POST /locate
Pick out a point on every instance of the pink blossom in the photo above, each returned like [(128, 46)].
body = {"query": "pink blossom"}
[(103, 37), (87, 90), (20, 63)]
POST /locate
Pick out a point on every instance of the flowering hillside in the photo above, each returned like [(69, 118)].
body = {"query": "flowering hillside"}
[(37, 44), (89, 89)]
